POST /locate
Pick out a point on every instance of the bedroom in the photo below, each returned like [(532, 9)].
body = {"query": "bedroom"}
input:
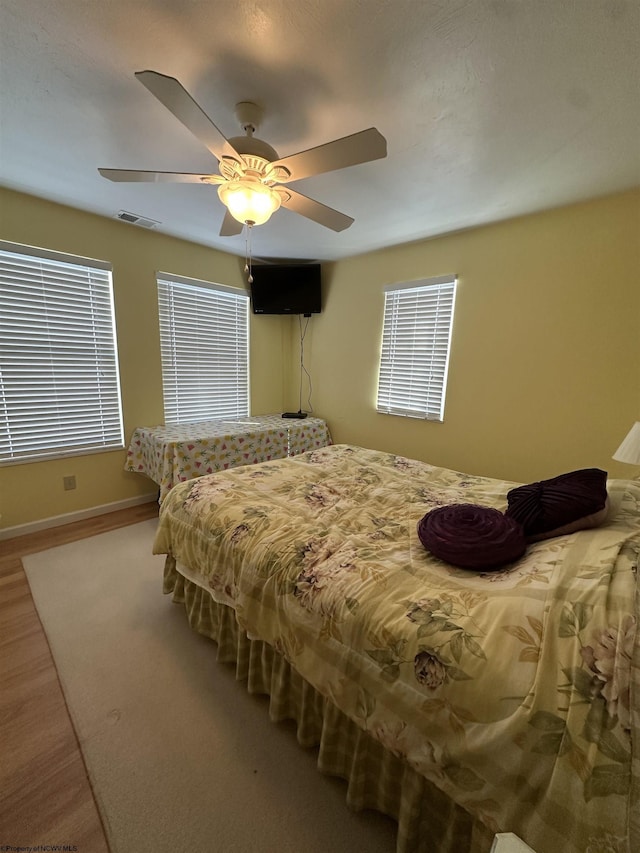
[(545, 354)]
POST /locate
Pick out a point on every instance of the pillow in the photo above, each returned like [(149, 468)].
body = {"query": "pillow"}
[(472, 537), (615, 496), (561, 505)]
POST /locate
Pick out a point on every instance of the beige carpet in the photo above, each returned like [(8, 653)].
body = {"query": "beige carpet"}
[(180, 756)]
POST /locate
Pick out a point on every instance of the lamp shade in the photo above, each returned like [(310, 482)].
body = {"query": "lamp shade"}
[(249, 201), (629, 450)]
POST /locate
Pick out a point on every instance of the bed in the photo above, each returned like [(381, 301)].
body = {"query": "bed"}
[(462, 703)]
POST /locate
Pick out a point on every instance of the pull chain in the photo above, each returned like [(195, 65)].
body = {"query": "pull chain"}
[(247, 251)]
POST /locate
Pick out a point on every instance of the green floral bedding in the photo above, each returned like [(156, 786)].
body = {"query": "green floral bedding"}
[(509, 690)]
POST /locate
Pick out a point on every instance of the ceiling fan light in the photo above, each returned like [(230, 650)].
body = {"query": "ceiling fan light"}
[(249, 201)]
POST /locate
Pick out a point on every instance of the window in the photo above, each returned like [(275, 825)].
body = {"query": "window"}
[(204, 340), (416, 337), (59, 384)]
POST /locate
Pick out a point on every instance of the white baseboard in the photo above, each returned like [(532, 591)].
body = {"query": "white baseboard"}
[(78, 515)]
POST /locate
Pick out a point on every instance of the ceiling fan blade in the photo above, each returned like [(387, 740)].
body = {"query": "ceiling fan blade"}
[(178, 101), (351, 150), (230, 226), (320, 213), (155, 177)]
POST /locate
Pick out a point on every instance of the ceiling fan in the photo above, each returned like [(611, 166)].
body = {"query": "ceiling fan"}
[(251, 172)]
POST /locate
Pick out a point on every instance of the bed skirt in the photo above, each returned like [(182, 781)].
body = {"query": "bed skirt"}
[(428, 821)]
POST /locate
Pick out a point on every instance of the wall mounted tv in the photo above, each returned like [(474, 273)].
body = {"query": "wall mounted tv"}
[(286, 289)]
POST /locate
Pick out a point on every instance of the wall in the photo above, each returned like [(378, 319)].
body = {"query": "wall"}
[(34, 491), (544, 373)]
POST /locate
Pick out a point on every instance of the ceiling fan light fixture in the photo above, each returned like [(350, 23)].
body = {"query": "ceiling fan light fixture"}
[(249, 200), (250, 169)]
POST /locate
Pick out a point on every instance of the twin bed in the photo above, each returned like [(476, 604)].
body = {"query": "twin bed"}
[(462, 703)]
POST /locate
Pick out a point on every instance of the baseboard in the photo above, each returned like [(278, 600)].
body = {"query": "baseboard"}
[(69, 517)]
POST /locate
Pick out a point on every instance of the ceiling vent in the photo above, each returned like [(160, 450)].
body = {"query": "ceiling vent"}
[(134, 219)]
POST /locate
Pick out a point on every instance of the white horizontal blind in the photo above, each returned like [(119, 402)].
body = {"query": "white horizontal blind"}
[(416, 338), (59, 383), (204, 340)]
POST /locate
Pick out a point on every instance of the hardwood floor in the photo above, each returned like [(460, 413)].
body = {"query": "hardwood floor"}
[(45, 795)]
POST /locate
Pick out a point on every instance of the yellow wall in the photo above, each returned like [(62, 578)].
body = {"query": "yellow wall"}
[(34, 491), (545, 362), (544, 374)]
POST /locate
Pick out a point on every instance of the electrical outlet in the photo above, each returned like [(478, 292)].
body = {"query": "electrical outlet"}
[(69, 483)]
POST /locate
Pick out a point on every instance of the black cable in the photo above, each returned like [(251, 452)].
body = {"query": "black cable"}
[(302, 367)]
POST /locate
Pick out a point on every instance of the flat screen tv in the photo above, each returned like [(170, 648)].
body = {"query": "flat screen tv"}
[(286, 289)]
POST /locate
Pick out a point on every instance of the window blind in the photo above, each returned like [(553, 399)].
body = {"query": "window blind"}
[(59, 383), (204, 340), (416, 339)]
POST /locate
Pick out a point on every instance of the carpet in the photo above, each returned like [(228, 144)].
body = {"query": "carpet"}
[(180, 756)]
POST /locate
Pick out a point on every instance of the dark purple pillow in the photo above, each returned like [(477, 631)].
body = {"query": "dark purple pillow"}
[(472, 537), (563, 504)]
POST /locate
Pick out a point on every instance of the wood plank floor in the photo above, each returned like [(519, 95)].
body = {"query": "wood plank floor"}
[(45, 795)]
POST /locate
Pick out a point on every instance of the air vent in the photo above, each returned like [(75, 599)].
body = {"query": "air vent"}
[(134, 219)]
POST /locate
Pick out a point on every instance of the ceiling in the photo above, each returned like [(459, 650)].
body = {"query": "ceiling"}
[(491, 108)]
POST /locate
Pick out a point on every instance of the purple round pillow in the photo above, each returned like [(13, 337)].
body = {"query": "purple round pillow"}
[(472, 537)]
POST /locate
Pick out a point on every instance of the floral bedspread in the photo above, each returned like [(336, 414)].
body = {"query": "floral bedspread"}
[(509, 690)]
